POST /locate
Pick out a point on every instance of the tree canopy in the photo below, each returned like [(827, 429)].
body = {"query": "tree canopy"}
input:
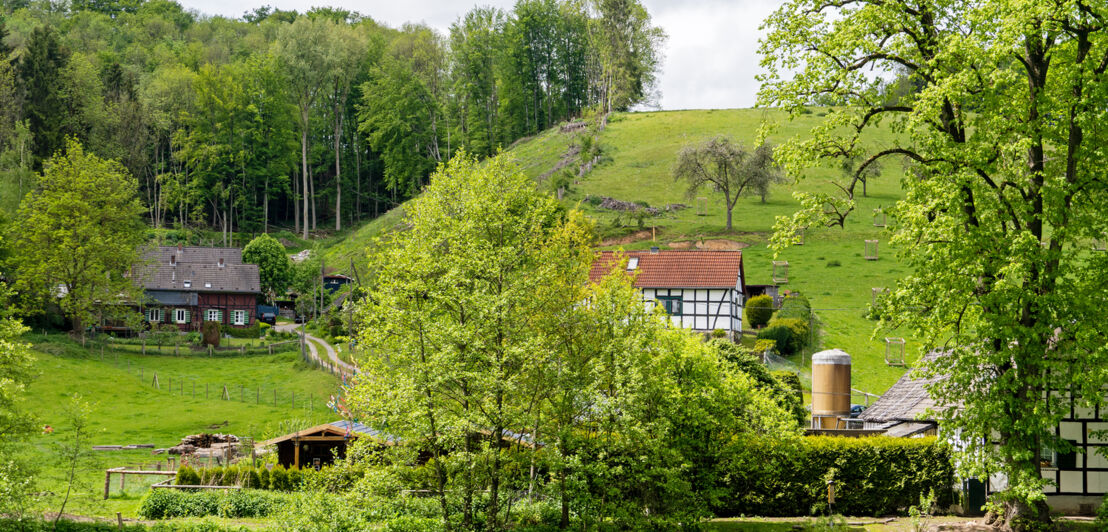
[(274, 266), (1004, 198), (80, 234), (728, 168)]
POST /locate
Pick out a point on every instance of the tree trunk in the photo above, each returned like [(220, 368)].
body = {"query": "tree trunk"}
[(729, 208), (338, 174), (304, 161), (311, 192)]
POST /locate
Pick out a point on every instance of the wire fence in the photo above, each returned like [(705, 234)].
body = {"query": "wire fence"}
[(188, 350), (203, 388)]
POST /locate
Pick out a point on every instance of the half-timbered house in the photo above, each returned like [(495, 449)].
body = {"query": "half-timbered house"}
[(700, 290), (185, 286)]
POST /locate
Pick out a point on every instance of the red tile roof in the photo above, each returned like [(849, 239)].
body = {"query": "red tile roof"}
[(676, 268)]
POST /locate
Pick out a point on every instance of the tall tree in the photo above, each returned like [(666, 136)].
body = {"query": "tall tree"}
[(305, 53), (79, 237), (349, 49), (274, 266), (629, 50), (1006, 197), (728, 168), (40, 76)]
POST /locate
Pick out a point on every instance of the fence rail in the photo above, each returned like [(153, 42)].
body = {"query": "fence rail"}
[(149, 348)]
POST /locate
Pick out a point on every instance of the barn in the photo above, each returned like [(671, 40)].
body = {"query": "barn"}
[(699, 289)]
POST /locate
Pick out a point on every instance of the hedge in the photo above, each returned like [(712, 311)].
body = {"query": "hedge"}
[(795, 306), (261, 478), (167, 504), (874, 476), (786, 341)]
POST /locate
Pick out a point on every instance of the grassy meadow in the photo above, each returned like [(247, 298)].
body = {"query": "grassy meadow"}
[(127, 409), (638, 154)]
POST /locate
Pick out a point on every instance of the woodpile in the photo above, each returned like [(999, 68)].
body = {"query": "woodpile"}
[(206, 445)]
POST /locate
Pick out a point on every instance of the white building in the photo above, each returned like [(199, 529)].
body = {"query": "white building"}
[(700, 290)]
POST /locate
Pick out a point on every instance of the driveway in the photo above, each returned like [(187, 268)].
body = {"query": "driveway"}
[(332, 355)]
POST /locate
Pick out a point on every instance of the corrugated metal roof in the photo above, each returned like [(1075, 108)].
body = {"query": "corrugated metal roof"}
[(354, 426), (904, 401), (675, 268)]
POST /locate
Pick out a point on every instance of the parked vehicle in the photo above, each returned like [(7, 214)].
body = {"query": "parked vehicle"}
[(267, 314)]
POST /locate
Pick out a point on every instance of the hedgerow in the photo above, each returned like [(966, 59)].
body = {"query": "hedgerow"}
[(873, 475)]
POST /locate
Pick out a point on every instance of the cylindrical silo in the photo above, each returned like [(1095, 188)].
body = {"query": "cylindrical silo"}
[(830, 388)]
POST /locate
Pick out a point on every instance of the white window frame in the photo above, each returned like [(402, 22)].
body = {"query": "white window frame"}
[(180, 315), (238, 317), (213, 314), (154, 315)]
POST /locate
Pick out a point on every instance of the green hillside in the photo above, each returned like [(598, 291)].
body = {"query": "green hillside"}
[(638, 151)]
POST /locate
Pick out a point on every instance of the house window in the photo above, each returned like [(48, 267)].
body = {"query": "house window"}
[(188, 284), (1051, 459), (154, 315), (672, 304), (213, 315), (181, 315), (239, 317)]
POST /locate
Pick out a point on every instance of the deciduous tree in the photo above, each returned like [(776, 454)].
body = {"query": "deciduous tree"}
[(78, 238), (1003, 130), (273, 264), (728, 168)]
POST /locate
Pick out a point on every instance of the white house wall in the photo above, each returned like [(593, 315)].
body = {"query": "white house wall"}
[(702, 309)]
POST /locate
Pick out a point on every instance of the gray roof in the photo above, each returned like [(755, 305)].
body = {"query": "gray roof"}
[(354, 426), (197, 269), (906, 400), (166, 297)]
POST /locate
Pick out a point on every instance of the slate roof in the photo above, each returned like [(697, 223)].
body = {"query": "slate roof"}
[(197, 269), (904, 401), (675, 268)]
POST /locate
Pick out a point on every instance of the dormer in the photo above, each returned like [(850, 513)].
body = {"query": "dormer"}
[(221, 263)]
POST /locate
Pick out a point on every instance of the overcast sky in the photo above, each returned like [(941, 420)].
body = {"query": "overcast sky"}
[(710, 57)]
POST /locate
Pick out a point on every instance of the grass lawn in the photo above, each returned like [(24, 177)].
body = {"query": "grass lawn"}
[(854, 524), (127, 409)]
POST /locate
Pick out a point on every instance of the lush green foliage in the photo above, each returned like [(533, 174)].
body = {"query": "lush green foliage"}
[(274, 266), (492, 272), (16, 422), (78, 234), (873, 475), (1000, 212), (297, 118), (168, 503), (758, 310), (786, 340), (795, 306)]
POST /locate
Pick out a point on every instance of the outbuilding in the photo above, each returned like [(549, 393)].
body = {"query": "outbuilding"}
[(322, 444)]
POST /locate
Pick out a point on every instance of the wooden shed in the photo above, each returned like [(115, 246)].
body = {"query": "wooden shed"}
[(320, 445)]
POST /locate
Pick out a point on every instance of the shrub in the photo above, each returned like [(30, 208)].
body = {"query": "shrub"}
[(209, 331), (833, 263), (253, 331), (167, 504), (874, 475), (785, 339), (252, 479), (263, 478), (795, 305), (279, 479), (187, 476), (797, 326), (758, 311), (719, 333)]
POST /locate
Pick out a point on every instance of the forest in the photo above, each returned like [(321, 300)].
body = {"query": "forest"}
[(303, 121)]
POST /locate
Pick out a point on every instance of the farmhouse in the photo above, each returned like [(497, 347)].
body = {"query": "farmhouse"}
[(700, 290), (185, 286), (1080, 477)]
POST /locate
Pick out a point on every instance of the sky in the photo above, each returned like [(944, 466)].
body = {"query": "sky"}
[(710, 57)]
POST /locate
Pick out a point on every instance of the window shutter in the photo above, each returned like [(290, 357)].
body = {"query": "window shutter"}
[(187, 320), (219, 316)]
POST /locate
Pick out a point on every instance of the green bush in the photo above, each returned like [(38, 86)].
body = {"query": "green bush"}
[(279, 479), (187, 476), (786, 340), (253, 331), (874, 475), (797, 326), (168, 504), (758, 311), (719, 333), (795, 306), (263, 478)]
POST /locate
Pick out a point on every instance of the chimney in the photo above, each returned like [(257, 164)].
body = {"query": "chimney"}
[(173, 260), (180, 248), (221, 262), (653, 250)]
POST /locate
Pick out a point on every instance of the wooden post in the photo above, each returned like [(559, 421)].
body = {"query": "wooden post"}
[(294, 402), (122, 482), (144, 346), (107, 483), (242, 393), (271, 349), (275, 397), (296, 453), (119, 519)]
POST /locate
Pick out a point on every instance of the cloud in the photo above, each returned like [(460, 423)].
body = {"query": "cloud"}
[(710, 61)]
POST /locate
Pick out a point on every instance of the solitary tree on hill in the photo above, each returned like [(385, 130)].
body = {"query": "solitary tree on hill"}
[(1007, 192), (729, 168)]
